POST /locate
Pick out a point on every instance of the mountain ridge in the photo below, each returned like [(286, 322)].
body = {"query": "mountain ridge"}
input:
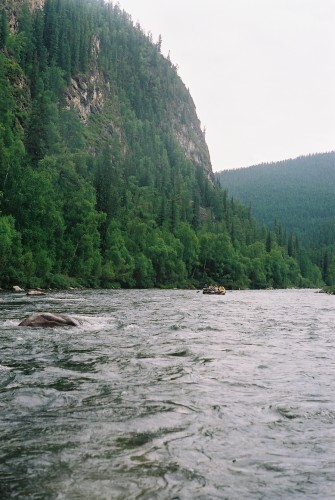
[(277, 183), (297, 193)]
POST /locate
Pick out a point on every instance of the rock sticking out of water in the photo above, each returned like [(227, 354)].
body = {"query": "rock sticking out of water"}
[(50, 319)]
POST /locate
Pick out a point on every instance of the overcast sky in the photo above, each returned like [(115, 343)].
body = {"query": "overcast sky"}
[(261, 72)]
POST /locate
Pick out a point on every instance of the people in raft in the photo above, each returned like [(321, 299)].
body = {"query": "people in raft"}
[(215, 288)]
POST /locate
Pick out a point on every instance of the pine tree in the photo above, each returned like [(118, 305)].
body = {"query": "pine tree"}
[(268, 244), (42, 135), (3, 29), (325, 267)]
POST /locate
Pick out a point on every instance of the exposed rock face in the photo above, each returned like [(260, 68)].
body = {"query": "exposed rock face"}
[(12, 6), (187, 131), (192, 142), (49, 319), (36, 4), (85, 95)]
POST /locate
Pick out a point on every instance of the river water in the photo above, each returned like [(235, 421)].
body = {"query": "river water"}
[(169, 395)]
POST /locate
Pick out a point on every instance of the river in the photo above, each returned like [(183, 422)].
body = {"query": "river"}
[(168, 394)]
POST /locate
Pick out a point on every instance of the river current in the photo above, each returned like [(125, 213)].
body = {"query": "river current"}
[(169, 395)]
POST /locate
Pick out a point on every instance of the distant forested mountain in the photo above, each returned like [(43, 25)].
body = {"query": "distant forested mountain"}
[(105, 175), (298, 194)]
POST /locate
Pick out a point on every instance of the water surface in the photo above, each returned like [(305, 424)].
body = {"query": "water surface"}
[(169, 395)]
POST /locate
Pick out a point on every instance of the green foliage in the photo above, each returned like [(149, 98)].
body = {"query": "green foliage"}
[(10, 252), (110, 198), (42, 128), (297, 195), (4, 32), (118, 262)]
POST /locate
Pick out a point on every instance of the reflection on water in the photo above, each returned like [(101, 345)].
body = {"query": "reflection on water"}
[(169, 395)]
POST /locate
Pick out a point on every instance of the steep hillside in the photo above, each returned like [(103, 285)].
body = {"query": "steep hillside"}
[(105, 175), (299, 193)]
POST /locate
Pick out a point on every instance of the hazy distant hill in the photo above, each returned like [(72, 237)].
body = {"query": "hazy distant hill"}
[(299, 192)]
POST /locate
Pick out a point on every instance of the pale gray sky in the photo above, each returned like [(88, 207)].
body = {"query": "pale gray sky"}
[(261, 72)]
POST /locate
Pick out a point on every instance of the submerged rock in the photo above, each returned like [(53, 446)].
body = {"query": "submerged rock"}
[(50, 319)]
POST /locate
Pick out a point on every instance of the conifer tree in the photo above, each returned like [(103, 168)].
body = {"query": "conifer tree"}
[(3, 29)]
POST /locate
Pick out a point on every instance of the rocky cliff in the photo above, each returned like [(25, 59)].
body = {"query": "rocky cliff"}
[(89, 91), (190, 137)]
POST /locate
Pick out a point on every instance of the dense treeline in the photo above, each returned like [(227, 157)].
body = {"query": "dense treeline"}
[(300, 195), (111, 198)]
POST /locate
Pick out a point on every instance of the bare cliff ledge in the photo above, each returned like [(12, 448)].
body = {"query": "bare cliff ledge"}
[(87, 93), (190, 137)]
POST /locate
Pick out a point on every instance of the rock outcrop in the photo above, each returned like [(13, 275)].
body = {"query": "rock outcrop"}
[(50, 319), (85, 95), (192, 142)]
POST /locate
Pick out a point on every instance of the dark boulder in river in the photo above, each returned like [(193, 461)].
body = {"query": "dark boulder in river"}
[(49, 319)]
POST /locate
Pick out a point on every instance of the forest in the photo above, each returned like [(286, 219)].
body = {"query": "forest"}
[(105, 176), (299, 195)]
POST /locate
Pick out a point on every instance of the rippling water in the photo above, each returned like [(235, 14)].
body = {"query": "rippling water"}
[(169, 395)]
